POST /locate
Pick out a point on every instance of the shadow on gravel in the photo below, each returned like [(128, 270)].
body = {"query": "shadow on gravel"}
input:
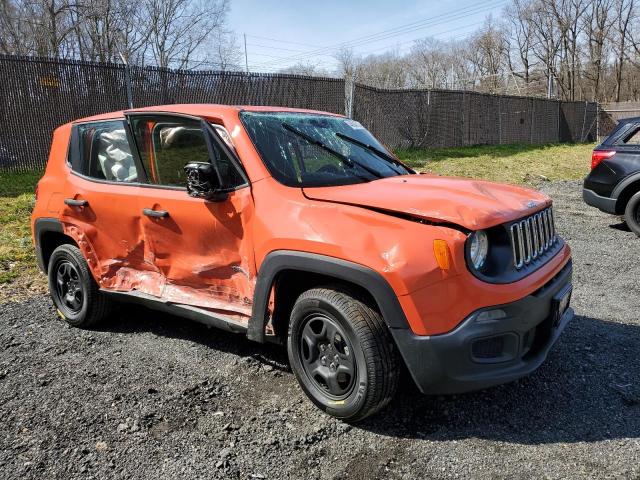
[(131, 319), (588, 390), (622, 226)]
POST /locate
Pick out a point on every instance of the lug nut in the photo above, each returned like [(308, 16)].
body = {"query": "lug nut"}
[(332, 366), (323, 360)]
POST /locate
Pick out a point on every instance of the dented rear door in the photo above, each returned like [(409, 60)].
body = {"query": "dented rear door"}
[(202, 250), (98, 205)]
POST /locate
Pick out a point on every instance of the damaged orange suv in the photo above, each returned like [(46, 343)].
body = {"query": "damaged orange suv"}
[(299, 227)]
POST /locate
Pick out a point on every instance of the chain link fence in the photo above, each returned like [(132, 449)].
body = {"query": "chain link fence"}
[(37, 95), (440, 118), (612, 113)]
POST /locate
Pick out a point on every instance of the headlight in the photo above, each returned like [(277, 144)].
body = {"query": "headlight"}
[(478, 248)]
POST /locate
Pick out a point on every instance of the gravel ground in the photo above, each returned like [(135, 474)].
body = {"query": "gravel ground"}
[(153, 396)]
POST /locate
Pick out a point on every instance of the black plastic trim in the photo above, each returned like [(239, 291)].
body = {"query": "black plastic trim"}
[(43, 225), (444, 364), (605, 204), (282, 260), (624, 183)]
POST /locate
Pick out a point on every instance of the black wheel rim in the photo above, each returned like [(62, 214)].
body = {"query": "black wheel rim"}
[(69, 289), (327, 356)]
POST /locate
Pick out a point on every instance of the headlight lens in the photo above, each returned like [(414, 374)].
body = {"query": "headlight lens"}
[(478, 248)]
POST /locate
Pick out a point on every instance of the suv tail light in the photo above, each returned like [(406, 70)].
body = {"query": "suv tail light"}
[(599, 155)]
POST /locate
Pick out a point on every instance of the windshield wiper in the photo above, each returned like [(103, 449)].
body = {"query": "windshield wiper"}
[(376, 151), (327, 148)]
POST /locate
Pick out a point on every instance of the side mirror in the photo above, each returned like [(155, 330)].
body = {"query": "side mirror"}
[(202, 182)]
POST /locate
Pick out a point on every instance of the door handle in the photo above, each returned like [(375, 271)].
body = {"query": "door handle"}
[(72, 202), (149, 212)]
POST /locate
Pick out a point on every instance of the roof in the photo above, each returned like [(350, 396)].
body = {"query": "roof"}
[(629, 120), (200, 110)]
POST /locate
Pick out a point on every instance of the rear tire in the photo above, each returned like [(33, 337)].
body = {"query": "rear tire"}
[(342, 354), (75, 293), (632, 214)]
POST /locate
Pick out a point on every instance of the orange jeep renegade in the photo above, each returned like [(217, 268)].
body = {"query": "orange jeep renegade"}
[(299, 227)]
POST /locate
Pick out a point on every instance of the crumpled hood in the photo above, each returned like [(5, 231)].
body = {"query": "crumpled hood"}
[(473, 204)]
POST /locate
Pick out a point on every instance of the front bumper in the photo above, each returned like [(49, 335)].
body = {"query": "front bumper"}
[(605, 204), (482, 352)]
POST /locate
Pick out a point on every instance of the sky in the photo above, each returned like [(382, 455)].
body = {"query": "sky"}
[(282, 33)]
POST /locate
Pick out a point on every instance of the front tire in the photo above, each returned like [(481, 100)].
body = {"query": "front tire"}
[(632, 214), (73, 290), (342, 354)]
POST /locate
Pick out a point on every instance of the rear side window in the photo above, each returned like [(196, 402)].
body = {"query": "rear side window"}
[(166, 144), (104, 152), (632, 137)]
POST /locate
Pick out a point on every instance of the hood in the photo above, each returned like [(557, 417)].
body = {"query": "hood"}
[(472, 204)]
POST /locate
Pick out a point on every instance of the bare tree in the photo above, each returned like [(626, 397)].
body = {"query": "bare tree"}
[(348, 63), (40, 27), (520, 38), (598, 24), (389, 70), (428, 63), (488, 52), (624, 15), (177, 28), (547, 37), (302, 68)]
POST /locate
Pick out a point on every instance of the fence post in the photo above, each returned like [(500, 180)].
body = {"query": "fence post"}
[(462, 139), (349, 88), (499, 120), (533, 107), (558, 127), (127, 81), (584, 121)]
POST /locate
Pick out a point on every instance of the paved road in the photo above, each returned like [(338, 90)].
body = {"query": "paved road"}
[(152, 396)]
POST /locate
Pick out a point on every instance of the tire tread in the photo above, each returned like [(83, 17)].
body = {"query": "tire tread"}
[(375, 339), (98, 305)]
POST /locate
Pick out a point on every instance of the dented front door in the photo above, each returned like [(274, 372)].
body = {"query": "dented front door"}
[(202, 250)]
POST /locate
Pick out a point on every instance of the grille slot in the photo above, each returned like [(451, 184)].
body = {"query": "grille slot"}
[(532, 236)]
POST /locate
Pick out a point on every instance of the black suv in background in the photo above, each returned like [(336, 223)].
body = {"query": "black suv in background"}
[(613, 185)]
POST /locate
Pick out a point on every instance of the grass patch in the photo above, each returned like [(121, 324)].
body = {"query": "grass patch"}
[(16, 184), (517, 164), (17, 258)]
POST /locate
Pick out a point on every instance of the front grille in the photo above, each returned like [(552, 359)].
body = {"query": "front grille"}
[(532, 236)]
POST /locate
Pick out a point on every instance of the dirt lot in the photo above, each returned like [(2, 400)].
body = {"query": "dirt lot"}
[(152, 396)]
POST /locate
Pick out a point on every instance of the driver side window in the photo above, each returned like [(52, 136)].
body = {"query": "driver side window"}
[(166, 144)]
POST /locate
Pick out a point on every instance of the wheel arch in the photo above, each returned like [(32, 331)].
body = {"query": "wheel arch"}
[(626, 189), (49, 235), (289, 273)]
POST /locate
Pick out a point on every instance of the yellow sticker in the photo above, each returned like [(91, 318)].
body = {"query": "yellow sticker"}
[(337, 402), (60, 314)]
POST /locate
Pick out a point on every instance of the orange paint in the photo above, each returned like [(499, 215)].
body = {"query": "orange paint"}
[(208, 254)]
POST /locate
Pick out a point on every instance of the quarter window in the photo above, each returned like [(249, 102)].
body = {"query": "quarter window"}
[(105, 153), (633, 137)]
